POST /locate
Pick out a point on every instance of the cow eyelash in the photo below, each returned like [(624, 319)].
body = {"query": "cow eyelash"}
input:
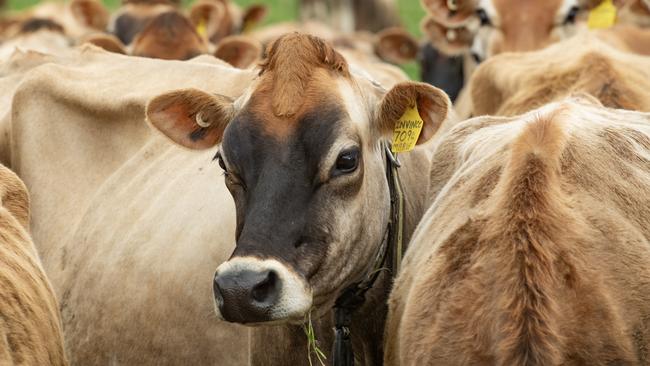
[(219, 159)]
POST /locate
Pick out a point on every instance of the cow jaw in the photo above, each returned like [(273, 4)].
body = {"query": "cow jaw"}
[(265, 291)]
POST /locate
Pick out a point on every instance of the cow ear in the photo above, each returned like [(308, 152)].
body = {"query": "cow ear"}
[(107, 42), (253, 15), (395, 45), (451, 13), (190, 117), (432, 104), (90, 13), (448, 40), (239, 51)]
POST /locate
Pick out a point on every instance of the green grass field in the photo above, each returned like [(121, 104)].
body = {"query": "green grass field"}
[(282, 10)]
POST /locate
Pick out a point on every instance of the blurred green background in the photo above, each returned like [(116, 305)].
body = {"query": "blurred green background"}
[(282, 10)]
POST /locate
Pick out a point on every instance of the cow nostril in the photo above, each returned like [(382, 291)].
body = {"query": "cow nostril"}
[(266, 288)]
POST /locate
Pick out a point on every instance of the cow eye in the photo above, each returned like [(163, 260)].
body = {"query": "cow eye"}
[(220, 160), (483, 17), (571, 16), (347, 161)]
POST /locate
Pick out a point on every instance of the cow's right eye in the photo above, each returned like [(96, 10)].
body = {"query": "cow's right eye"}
[(483, 17)]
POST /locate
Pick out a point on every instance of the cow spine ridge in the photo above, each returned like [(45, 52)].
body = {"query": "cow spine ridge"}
[(528, 229)]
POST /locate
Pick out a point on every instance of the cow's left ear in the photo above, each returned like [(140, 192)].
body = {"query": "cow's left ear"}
[(191, 117), (239, 51), (396, 45), (432, 103), (90, 13), (253, 16)]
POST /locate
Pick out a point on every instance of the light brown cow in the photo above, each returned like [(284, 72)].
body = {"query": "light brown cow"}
[(535, 250), (130, 263), (489, 27), (216, 19), (303, 158), (30, 324), (350, 16), (512, 84)]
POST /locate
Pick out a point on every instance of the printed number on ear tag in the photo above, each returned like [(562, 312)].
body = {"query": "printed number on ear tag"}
[(603, 16), (407, 130)]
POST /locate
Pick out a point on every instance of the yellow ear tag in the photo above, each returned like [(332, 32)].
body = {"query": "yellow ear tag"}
[(202, 28), (249, 25), (407, 130), (603, 16)]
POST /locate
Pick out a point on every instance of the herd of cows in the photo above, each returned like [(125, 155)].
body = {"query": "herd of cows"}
[(186, 187)]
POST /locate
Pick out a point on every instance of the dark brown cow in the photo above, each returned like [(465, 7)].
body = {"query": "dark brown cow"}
[(303, 158)]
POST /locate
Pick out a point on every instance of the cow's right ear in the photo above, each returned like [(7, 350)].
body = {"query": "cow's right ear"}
[(190, 117)]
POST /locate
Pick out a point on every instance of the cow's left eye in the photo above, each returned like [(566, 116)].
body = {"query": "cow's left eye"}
[(571, 15), (347, 161)]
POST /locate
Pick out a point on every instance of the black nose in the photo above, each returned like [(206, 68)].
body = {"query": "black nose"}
[(246, 296)]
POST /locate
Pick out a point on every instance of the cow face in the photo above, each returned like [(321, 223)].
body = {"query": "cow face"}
[(523, 25), (133, 17), (489, 27), (169, 36), (302, 157)]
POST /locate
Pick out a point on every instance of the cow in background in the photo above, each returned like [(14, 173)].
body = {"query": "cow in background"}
[(477, 30), (599, 64), (349, 16), (30, 323)]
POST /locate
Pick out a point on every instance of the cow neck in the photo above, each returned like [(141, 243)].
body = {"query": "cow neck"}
[(354, 296)]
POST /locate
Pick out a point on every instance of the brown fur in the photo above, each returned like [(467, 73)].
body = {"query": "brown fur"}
[(239, 51), (105, 41), (289, 64), (514, 83), (30, 324), (169, 36), (550, 267)]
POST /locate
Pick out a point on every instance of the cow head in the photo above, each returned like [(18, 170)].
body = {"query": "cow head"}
[(169, 36), (217, 19), (301, 153), (133, 16), (489, 27)]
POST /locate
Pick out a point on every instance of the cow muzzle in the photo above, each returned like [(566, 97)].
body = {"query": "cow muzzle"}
[(249, 290)]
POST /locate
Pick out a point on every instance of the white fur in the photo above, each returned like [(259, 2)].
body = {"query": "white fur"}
[(295, 297)]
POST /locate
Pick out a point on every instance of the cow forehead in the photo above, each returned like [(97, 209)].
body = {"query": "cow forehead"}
[(514, 14), (324, 93)]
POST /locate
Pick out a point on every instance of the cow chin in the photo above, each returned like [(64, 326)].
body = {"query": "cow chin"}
[(254, 291)]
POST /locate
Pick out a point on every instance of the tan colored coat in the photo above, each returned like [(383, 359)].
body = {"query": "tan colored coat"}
[(511, 84), (133, 279), (535, 250), (30, 324)]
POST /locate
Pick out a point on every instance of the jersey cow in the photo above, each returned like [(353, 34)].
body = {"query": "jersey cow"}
[(127, 258), (30, 325), (535, 250), (599, 65), (303, 158)]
